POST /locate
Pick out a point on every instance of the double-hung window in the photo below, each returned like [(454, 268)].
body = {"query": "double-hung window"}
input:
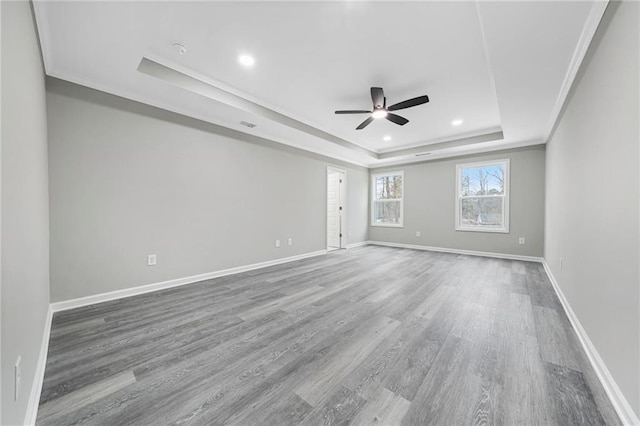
[(482, 196), (387, 199)]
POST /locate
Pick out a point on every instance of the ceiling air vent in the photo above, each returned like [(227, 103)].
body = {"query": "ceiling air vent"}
[(422, 154), (247, 124)]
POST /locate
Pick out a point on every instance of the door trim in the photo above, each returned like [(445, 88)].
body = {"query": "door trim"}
[(343, 217)]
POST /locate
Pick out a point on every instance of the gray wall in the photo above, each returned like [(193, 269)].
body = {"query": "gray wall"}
[(429, 206), (25, 212), (128, 180), (592, 196)]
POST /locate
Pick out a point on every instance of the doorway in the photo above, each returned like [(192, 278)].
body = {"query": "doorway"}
[(336, 208)]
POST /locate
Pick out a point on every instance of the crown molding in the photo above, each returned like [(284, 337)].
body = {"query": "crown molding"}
[(598, 8)]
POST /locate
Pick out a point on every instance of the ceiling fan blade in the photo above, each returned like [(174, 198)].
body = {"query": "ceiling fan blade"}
[(354, 111), (409, 103), (365, 123), (377, 96), (396, 119)]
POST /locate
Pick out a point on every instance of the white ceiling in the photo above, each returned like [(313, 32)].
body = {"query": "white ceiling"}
[(502, 67)]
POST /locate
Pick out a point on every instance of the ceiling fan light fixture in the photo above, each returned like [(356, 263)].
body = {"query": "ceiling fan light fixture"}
[(379, 113), (380, 109)]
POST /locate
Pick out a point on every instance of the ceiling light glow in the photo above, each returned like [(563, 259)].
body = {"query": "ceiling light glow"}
[(457, 122), (246, 60), (379, 113), (386, 138)]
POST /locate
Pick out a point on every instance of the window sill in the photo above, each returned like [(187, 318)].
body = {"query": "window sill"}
[(489, 230), (388, 225)]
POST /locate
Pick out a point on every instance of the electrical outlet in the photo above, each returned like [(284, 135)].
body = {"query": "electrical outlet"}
[(290, 242), (417, 233), (277, 243), (521, 240), (348, 233), (17, 379), (151, 260)]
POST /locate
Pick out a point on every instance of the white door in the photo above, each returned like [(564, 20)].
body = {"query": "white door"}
[(334, 209)]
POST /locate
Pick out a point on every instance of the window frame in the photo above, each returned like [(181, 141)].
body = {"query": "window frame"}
[(505, 162), (374, 176)]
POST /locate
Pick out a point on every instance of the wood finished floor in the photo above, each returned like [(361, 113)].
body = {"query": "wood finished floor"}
[(373, 335)]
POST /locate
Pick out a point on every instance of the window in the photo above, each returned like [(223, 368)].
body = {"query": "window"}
[(387, 204), (482, 196)]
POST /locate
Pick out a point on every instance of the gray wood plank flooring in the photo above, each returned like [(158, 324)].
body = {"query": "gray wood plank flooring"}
[(368, 336)]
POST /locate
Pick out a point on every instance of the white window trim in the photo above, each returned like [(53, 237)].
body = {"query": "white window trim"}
[(507, 184), (373, 200)]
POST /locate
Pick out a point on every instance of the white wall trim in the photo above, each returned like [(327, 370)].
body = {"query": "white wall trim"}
[(588, 32), (38, 379), (36, 387), (360, 244), (342, 201), (148, 288), (619, 402), (458, 251)]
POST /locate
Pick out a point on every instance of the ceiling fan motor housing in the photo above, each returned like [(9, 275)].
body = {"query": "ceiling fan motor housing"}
[(380, 109)]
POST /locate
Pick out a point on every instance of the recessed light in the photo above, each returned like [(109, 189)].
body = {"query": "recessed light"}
[(457, 122), (246, 60), (387, 138)]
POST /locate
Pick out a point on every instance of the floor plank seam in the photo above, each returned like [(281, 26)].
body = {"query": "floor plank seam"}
[(377, 334)]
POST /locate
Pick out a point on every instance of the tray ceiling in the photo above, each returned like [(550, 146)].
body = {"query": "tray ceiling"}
[(503, 68)]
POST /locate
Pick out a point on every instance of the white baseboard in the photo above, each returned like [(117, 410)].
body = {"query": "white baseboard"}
[(38, 379), (148, 288), (36, 387), (360, 244), (619, 402), (457, 251)]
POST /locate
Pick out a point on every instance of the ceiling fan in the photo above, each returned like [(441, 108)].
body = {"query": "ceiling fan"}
[(380, 109)]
